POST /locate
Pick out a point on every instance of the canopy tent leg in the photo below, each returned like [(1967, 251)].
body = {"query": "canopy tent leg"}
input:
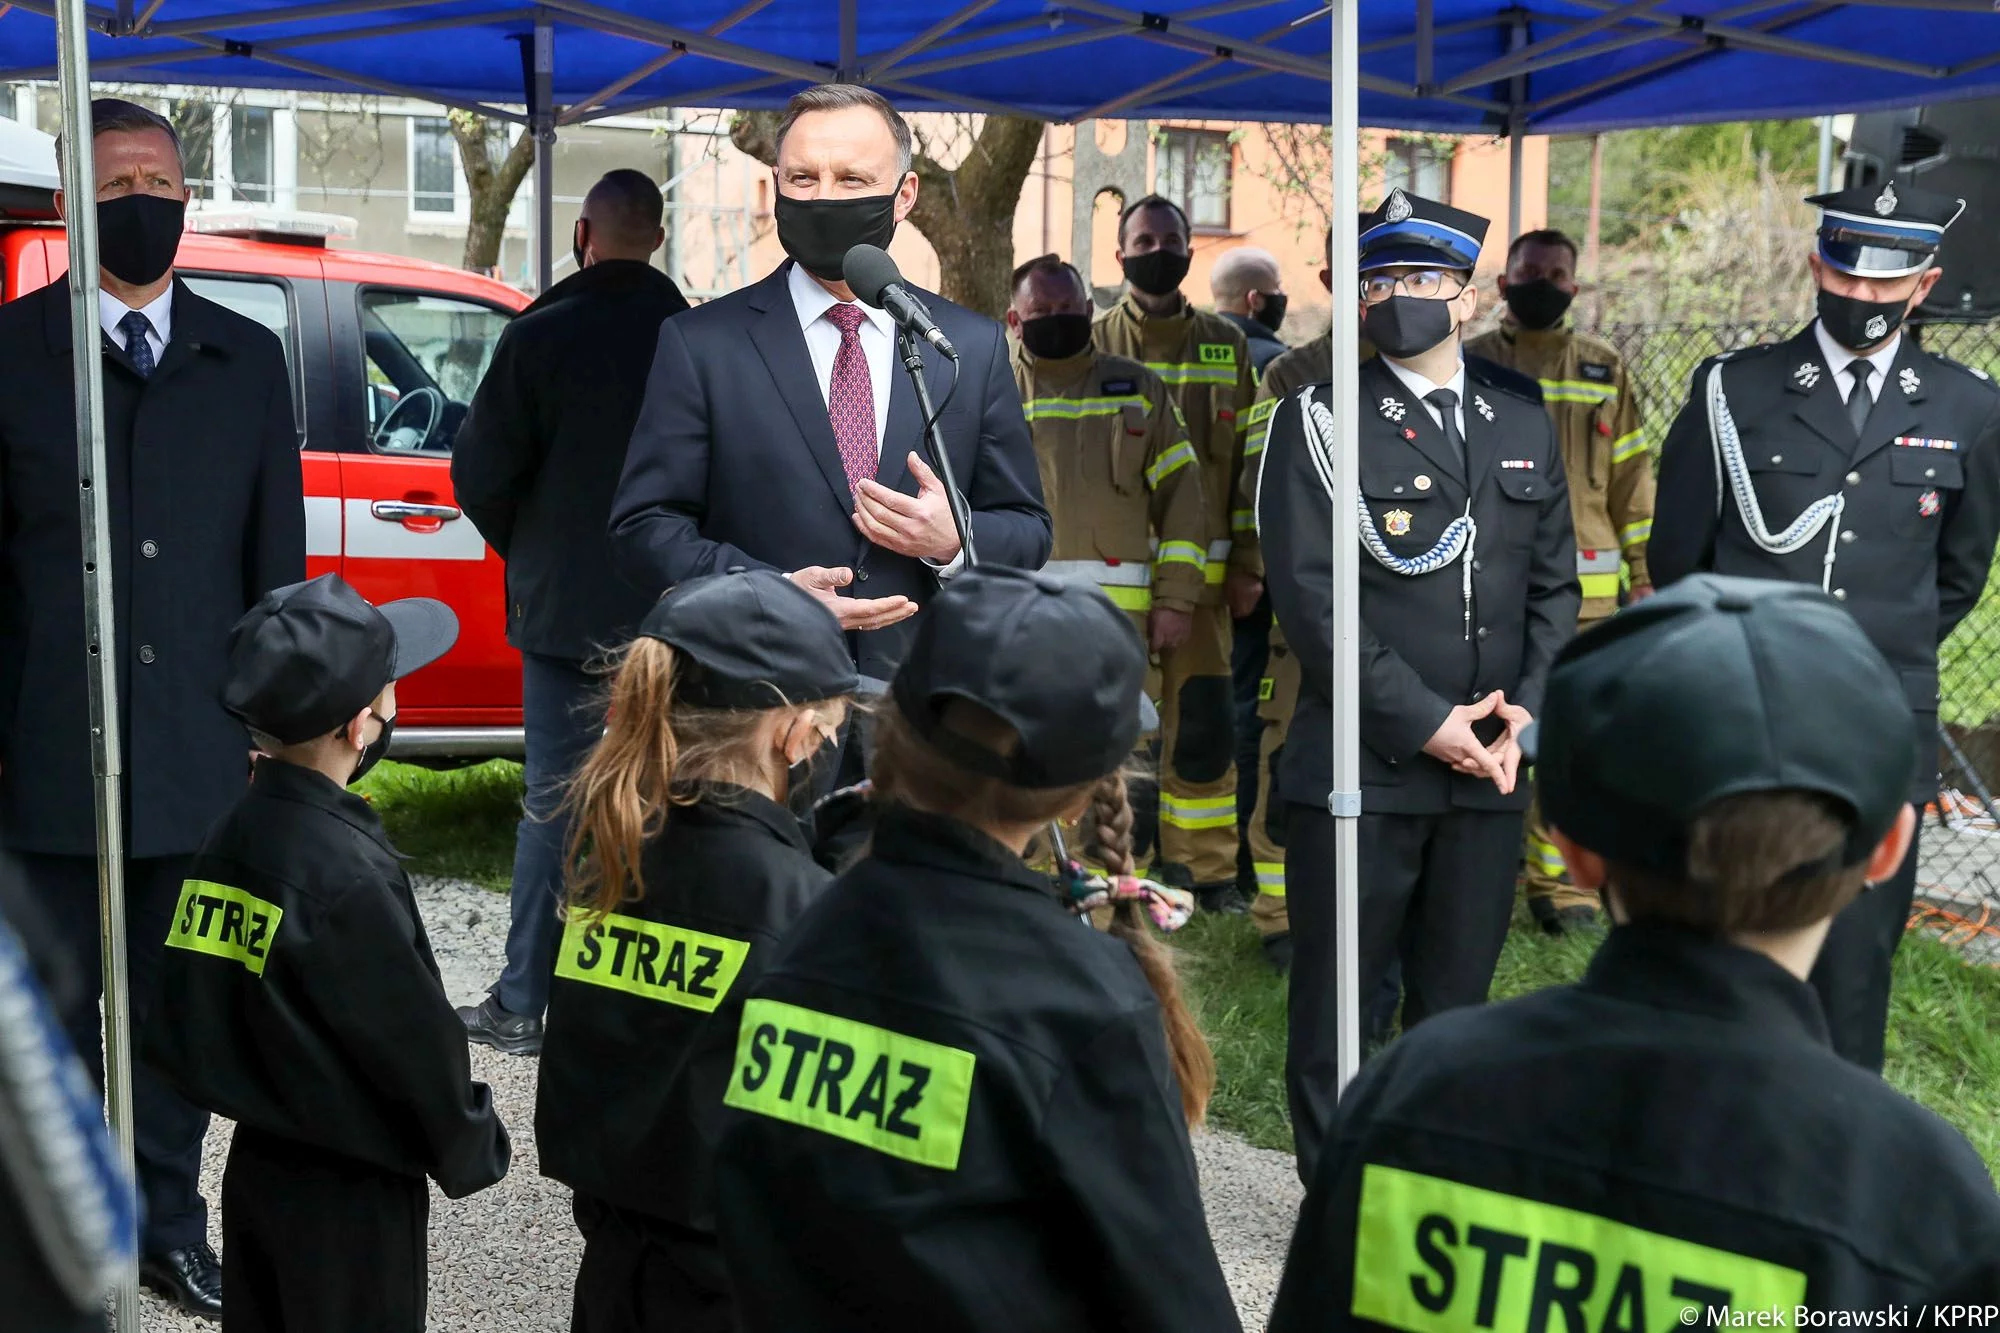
[(99, 651), (1517, 124), (1345, 800), (542, 124)]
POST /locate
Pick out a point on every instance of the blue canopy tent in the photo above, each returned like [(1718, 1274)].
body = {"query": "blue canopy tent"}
[(1436, 65)]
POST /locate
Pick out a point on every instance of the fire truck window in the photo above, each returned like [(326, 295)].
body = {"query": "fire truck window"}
[(417, 341), (268, 303)]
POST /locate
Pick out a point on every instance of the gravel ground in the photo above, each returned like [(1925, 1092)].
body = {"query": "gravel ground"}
[(502, 1260)]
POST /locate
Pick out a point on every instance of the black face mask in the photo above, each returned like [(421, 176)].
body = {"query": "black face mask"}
[(1405, 326), (1272, 313), (799, 786), (372, 754), (818, 233), (1538, 304), (1056, 337), (1159, 273), (138, 236), (1858, 325), (578, 238)]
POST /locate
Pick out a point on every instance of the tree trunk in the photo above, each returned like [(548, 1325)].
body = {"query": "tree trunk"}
[(966, 213), (491, 184)]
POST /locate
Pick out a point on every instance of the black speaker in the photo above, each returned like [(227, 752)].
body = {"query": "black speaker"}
[(1950, 149)]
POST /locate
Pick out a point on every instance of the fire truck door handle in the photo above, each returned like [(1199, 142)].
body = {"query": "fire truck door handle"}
[(400, 511)]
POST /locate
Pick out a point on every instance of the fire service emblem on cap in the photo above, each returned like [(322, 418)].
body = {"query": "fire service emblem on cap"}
[(1885, 202), (1399, 207)]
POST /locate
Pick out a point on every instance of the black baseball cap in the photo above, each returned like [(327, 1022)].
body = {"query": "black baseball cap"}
[(310, 656), (1056, 661), (752, 639), (1717, 687)]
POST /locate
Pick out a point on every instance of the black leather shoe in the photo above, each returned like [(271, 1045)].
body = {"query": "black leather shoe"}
[(1223, 898), (1278, 951), (509, 1033), (190, 1278)]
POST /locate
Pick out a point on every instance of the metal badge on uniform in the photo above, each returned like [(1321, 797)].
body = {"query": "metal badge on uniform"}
[(1928, 504), (1422, 483), (1909, 380), (1397, 521), (1484, 409), (1392, 409), (1398, 208), (1807, 375), (1885, 202)]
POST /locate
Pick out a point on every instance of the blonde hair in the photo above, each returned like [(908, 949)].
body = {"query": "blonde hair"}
[(908, 769)]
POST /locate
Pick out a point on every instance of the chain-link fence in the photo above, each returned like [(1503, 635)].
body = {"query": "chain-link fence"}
[(1961, 835)]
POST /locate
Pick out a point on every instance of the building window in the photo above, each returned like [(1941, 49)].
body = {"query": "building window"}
[(1192, 168), (434, 167), (1417, 168), (252, 155)]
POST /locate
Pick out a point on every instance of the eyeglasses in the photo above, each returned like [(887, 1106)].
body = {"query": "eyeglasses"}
[(1425, 283)]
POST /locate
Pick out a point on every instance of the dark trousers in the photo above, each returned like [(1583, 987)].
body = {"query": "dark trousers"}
[(1853, 971), (562, 711), (642, 1275), (320, 1243), (1249, 655), (167, 1128), (1440, 886)]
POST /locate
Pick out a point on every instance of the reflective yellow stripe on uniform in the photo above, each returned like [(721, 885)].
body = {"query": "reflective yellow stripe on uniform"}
[(1544, 857), (1628, 447), (1129, 586), (1218, 560), (1597, 572), (1184, 553), (1270, 877), (1258, 423), (1634, 533), (1432, 1254), (1077, 409), (651, 959), (1577, 391), (1243, 522), (1198, 812), (1170, 462), (1171, 373), (225, 922), (896, 1094)]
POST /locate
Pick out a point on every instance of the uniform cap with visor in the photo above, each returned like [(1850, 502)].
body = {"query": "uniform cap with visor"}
[(1719, 687), (1409, 229), (1883, 231), (751, 640), (1055, 661), (310, 656)]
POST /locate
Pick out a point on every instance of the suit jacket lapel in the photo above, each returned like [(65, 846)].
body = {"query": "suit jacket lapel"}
[(905, 430), (1389, 398), (779, 341), (1482, 437), (1816, 394), (1896, 402)]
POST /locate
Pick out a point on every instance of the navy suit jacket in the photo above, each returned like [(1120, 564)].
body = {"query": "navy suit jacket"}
[(733, 462)]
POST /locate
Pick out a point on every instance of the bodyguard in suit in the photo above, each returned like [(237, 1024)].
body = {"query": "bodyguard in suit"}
[(1468, 590), (207, 514), (780, 431), (537, 463), (1850, 459)]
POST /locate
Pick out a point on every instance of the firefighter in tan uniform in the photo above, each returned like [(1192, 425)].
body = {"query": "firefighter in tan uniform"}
[(1121, 482), (1206, 367), (1585, 388)]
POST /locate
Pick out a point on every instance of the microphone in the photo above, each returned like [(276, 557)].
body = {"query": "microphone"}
[(875, 280)]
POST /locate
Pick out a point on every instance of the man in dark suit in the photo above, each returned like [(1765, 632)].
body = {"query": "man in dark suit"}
[(780, 432), (207, 514), (535, 467)]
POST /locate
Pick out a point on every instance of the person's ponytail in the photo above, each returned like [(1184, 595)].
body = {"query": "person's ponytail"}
[(620, 796), (1111, 822)]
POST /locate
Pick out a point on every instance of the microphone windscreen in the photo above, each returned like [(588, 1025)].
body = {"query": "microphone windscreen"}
[(868, 269)]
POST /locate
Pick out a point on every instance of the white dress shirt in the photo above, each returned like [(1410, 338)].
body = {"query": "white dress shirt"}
[(159, 313), (877, 334), (1419, 386), (1840, 360)]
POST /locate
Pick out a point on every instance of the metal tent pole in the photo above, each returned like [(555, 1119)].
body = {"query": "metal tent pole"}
[(1344, 802), (1517, 124), (79, 174), (542, 124), (1825, 154)]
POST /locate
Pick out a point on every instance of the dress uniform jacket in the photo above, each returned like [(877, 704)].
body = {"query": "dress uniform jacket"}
[(1121, 481), (1206, 366), (207, 515), (1719, 1153), (299, 996), (620, 1115), (1610, 470), (954, 1110), (1922, 491), (1420, 656)]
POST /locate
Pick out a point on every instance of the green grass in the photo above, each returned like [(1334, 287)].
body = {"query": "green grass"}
[(1944, 1027)]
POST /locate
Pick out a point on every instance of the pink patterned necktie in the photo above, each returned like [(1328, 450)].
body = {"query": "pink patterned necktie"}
[(850, 398)]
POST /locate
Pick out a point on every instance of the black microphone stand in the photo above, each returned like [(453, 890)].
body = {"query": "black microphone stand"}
[(913, 362)]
